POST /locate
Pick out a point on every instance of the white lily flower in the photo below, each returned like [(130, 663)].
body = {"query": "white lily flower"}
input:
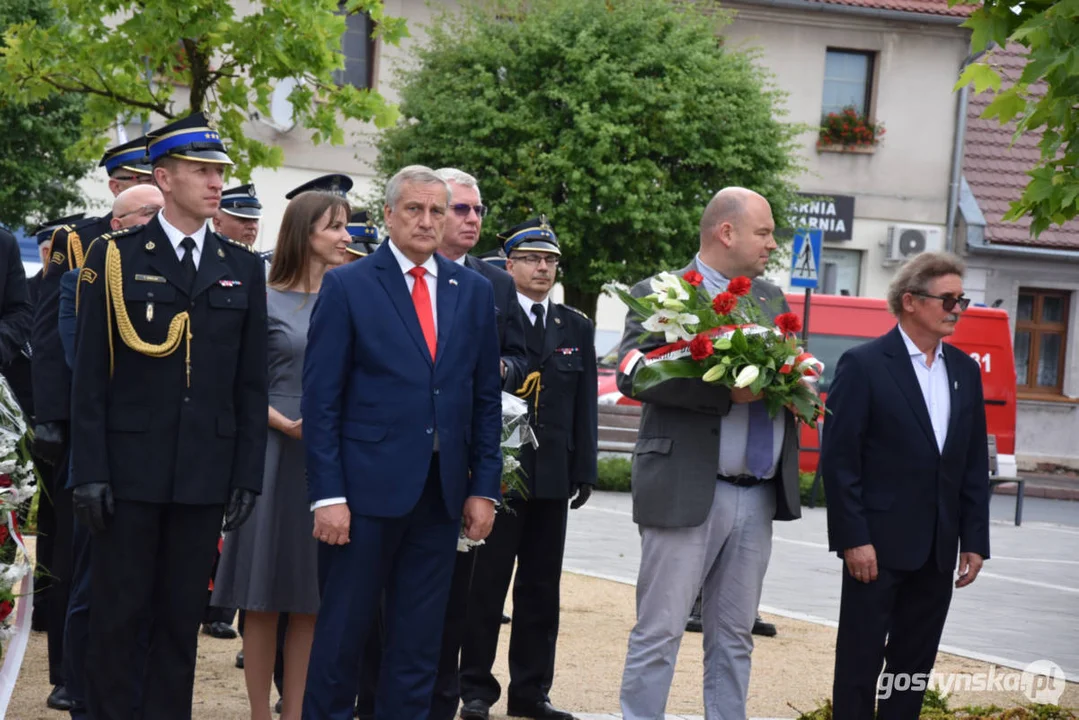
[(746, 376), (667, 285), (715, 373), (672, 324)]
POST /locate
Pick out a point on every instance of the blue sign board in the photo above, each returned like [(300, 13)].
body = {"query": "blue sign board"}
[(805, 258)]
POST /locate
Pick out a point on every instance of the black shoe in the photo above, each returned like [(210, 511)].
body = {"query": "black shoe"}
[(694, 624), (766, 629), (219, 630), (277, 705), (475, 710), (240, 659), (59, 699), (505, 619), (541, 711)]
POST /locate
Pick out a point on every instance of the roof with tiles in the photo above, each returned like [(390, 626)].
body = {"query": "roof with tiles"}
[(996, 170), (923, 7)]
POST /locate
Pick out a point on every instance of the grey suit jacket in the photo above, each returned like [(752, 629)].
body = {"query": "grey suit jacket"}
[(676, 457)]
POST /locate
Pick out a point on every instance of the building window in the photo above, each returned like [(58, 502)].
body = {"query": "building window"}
[(841, 271), (358, 47), (1041, 337), (848, 81)]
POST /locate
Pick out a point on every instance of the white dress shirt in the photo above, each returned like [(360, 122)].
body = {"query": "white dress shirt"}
[(933, 380), (734, 426), (431, 278), (527, 303), (177, 236)]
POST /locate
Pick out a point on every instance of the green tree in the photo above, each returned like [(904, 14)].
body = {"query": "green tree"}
[(39, 179), (1045, 98), (618, 120), (130, 57)]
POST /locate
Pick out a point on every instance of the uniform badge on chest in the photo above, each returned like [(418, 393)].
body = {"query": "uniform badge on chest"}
[(149, 312)]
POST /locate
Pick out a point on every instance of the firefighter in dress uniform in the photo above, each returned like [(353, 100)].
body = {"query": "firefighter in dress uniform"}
[(168, 419), (126, 167), (561, 391)]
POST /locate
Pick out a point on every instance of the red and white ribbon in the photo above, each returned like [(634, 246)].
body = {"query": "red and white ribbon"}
[(24, 608)]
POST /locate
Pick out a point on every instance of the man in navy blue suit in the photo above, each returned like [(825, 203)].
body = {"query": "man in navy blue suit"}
[(402, 406), (906, 472)]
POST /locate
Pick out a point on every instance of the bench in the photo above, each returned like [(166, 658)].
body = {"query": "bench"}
[(618, 427), (995, 479)]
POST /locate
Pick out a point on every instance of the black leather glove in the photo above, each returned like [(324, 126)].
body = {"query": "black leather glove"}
[(49, 441), (93, 506), (241, 503), (583, 492)]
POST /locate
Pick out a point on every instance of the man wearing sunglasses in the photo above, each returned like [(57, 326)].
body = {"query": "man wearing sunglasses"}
[(906, 466), (127, 165), (463, 225)]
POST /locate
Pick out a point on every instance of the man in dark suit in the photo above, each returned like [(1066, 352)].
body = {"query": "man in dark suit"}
[(402, 403), (711, 471), (906, 470), (464, 222), (532, 532), (125, 165), (169, 421)]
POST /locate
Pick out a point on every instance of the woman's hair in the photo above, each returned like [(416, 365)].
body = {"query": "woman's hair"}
[(293, 250)]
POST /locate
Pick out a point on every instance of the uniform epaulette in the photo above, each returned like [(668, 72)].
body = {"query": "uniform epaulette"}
[(120, 233), (230, 241), (582, 313)]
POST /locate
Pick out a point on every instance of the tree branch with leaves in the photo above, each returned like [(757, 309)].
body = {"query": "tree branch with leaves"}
[(131, 58), (1044, 98)]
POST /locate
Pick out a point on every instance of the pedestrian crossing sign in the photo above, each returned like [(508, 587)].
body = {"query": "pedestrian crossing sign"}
[(805, 258)]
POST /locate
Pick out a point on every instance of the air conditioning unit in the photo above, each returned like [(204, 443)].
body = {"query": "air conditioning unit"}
[(906, 241)]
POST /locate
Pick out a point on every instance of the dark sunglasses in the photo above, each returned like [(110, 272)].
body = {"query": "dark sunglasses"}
[(948, 302), (462, 210)]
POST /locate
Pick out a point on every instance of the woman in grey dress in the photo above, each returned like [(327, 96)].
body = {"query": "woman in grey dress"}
[(269, 565)]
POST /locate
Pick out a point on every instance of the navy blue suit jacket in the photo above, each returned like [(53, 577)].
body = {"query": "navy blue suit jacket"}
[(886, 482), (373, 399)]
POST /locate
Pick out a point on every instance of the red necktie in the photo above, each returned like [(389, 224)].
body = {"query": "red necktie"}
[(421, 298)]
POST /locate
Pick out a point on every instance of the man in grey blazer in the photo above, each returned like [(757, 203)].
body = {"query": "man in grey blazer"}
[(711, 471)]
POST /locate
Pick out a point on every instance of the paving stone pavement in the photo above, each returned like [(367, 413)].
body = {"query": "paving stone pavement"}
[(1023, 607)]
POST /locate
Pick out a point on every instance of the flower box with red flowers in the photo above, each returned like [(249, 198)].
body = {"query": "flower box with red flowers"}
[(849, 131), (727, 340)]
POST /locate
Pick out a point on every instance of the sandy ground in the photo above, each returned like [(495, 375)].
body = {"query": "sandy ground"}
[(791, 671)]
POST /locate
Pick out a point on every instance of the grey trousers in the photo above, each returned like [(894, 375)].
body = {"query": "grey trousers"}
[(727, 555)]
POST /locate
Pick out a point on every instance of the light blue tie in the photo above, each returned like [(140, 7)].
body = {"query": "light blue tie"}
[(759, 440)]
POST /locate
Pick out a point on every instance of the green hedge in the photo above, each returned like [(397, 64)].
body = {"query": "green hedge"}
[(805, 482), (614, 474)]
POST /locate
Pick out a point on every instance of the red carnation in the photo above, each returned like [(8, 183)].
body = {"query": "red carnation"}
[(724, 303), (3, 535), (789, 323), (5, 480), (739, 286), (5, 609), (693, 277), (701, 347)]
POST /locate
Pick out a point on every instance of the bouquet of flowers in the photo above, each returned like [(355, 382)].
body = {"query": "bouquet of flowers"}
[(18, 483), (727, 340), (516, 433)]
